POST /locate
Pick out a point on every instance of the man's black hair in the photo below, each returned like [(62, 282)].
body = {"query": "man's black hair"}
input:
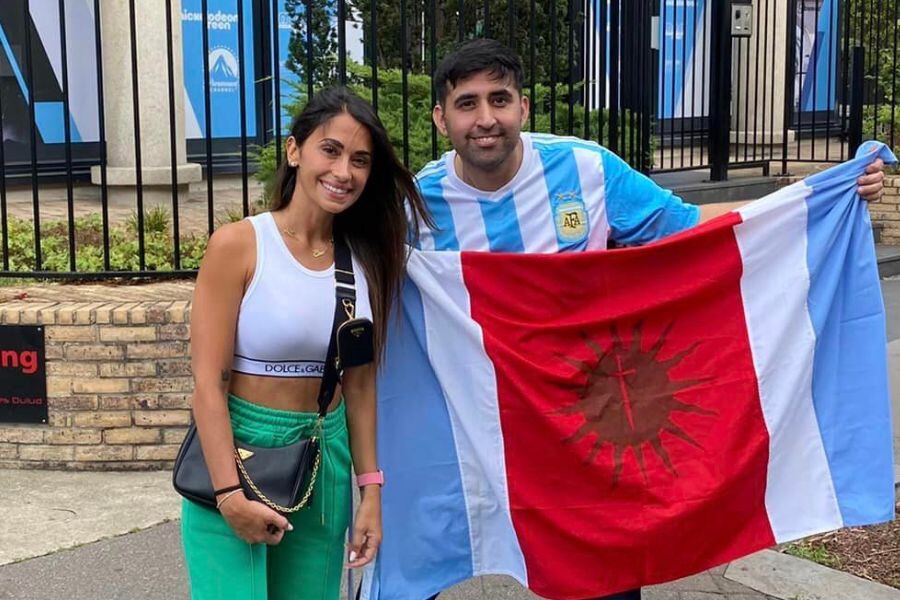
[(477, 56)]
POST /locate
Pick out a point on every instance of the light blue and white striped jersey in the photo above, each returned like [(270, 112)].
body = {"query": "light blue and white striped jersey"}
[(568, 194)]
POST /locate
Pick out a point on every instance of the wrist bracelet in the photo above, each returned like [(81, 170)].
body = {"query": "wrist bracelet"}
[(225, 498), (374, 478), (227, 488)]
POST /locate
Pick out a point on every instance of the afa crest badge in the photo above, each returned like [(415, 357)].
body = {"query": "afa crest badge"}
[(570, 217)]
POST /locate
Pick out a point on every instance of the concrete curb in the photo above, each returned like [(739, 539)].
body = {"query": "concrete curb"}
[(790, 578)]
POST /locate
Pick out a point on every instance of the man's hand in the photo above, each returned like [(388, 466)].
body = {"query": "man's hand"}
[(871, 185)]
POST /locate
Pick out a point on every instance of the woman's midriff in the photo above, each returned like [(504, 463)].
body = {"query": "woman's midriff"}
[(284, 393)]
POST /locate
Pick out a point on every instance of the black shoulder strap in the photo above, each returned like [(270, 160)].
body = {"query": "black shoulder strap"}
[(344, 309)]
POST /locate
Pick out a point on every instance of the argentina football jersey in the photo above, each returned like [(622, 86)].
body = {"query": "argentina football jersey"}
[(568, 194)]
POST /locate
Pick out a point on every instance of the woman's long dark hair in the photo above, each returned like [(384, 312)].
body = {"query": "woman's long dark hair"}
[(376, 227)]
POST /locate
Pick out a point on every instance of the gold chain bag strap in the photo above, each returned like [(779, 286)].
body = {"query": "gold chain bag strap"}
[(276, 476)]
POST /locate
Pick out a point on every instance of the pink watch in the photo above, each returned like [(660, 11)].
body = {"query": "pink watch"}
[(374, 478)]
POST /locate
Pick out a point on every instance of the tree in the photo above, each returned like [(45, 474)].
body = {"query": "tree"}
[(479, 18), (324, 41), (876, 27)]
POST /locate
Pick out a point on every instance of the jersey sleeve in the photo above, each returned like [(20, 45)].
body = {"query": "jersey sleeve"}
[(638, 210)]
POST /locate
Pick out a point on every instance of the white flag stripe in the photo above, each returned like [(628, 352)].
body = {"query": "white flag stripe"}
[(800, 497), (451, 334)]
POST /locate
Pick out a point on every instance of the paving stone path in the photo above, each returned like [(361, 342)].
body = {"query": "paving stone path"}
[(105, 292)]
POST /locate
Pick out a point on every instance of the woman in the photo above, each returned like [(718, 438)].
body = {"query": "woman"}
[(262, 318)]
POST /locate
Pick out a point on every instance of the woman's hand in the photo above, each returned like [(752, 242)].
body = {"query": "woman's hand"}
[(254, 522), (366, 528), (358, 387)]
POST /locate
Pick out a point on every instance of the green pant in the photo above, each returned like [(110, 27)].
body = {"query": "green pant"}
[(308, 561)]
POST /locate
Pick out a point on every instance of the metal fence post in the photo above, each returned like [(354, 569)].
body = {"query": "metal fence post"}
[(614, 98), (649, 83), (720, 90), (857, 83)]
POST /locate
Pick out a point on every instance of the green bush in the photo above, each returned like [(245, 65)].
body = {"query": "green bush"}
[(156, 220), (159, 247), (883, 129)]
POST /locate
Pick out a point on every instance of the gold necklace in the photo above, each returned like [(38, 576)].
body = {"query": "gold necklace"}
[(316, 252)]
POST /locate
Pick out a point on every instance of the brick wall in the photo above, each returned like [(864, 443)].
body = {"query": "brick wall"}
[(118, 385), (887, 211)]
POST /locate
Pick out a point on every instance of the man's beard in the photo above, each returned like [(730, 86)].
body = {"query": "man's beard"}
[(484, 161)]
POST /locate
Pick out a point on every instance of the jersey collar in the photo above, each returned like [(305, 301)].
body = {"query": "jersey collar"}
[(455, 181)]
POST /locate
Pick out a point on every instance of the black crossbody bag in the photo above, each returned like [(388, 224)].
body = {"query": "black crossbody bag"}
[(283, 478)]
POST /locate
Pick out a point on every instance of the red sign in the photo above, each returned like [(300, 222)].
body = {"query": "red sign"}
[(23, 374)]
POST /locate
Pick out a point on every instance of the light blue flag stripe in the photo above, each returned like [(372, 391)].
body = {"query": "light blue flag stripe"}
[(416, 447), (845, 304)]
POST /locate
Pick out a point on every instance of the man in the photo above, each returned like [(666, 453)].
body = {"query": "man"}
[(502, 190)]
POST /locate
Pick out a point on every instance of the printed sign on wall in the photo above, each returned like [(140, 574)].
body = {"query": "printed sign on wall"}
[(23, 374)]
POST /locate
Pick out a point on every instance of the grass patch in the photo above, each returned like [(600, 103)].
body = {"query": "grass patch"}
[(814, 551)]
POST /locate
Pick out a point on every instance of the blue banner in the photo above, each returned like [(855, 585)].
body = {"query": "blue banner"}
[(683, 53), (224, 69), (817, 47)]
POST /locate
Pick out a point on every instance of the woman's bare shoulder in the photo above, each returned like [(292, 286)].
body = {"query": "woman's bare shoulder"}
[(230, 254), (232, 238)]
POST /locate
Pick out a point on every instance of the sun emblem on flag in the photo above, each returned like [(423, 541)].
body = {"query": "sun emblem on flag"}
[(628, 398)]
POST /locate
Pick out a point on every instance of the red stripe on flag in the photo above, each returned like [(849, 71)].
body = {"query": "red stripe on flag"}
[(636, 449)]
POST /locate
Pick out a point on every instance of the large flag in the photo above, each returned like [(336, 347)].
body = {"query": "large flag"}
[(593, 422)]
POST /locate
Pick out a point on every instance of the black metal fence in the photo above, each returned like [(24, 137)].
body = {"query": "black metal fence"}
[(103, 173), (793, 85)]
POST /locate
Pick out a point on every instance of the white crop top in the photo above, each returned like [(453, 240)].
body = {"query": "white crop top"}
[(286, 316)]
